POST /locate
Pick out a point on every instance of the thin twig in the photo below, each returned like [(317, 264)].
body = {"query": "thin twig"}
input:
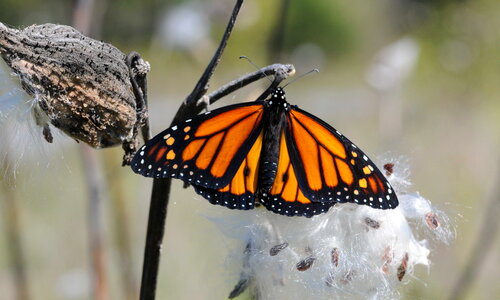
[(161, 187), (484, 243), (249, 78), (202, 86)]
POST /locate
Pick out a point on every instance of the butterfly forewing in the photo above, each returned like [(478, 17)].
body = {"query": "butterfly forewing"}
[(329, 167), (207, 150)]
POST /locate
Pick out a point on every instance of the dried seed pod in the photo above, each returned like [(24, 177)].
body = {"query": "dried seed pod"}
[(276, 249), (81, 86)]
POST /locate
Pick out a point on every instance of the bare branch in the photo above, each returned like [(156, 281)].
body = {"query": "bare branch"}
[(202, 86), (249, 78), (161, 187)]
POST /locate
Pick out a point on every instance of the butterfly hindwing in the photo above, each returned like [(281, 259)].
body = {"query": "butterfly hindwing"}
[(240, 192), (285, 196), (206, 150), (329, 167)]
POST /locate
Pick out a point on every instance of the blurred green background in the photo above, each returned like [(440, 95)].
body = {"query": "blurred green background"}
[(412, 80)]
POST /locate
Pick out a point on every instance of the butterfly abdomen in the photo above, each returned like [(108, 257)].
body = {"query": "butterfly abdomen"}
[(274, 121)]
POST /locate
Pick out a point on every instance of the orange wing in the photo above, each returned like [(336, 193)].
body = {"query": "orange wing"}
[(329, 167), (286, 196), (207, 150), (240, 192)]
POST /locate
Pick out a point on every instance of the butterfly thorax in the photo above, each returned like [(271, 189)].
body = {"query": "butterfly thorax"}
[(274, 121)]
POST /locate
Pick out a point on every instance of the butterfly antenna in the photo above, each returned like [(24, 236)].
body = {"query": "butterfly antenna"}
[(303, 75), (257, 67)]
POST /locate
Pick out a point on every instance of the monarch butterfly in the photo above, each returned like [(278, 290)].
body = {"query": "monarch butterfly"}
[(268, 152)]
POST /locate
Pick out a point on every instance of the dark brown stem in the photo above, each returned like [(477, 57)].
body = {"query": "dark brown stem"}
[(202, 86), (161, 187)]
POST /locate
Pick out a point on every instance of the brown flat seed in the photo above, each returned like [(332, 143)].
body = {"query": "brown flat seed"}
[(335, 256), (389, 169), (402, 267), (306, 263), (372, 223), (276, 249), (431, 220)]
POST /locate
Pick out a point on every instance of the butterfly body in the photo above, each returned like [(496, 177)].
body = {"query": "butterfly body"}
[(274, 121), (266, 152)]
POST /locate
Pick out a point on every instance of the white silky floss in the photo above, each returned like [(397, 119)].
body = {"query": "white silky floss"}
[(351, 251)]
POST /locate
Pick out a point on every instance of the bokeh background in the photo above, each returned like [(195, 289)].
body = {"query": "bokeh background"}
[(414, 81)]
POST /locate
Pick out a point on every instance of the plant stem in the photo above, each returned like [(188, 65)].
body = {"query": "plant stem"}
[(249, 78), (161, 187)]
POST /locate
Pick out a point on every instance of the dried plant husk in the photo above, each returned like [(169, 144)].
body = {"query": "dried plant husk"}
[(81, 86)]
